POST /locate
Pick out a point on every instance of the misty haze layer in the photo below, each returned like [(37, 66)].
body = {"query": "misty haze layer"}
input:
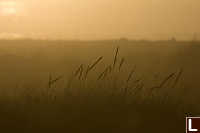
[(102, 19)]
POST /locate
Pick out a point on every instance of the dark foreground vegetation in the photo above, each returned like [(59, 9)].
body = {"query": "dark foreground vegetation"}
[(102, 96)]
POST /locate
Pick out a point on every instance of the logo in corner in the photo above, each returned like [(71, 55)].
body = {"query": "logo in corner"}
[(192, 124)]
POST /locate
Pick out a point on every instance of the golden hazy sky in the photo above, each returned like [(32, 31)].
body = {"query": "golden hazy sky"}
[(99, 19)]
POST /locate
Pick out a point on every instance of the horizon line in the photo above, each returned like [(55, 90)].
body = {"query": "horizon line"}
[(92, 40)]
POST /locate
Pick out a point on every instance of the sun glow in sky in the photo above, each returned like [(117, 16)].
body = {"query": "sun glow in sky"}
[(99, 19), (8, 8)]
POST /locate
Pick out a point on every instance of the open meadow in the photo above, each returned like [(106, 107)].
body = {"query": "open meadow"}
[(115, 86)]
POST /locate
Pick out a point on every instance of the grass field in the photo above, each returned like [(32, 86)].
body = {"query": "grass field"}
[(98, 86)]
